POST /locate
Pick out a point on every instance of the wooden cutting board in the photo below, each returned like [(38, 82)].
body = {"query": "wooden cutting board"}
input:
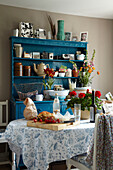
[(56, 127)]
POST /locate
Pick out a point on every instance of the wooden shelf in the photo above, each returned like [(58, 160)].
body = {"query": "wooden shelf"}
[(40, 77), (32, 59), (46, 42)]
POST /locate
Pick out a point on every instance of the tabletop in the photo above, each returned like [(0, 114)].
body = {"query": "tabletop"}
[(39, 147)]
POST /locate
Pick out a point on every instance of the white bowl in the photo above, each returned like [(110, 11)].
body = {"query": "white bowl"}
[(80, 57), (61, 94), (61, 74)]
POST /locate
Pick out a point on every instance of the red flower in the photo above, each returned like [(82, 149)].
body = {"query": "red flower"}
[(49, 72), (73, 93), (87, 90), (81, 95), (98, 94)]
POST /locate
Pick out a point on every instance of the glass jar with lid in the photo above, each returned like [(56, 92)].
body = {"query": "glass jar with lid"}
[(18, 69), (27, 70)]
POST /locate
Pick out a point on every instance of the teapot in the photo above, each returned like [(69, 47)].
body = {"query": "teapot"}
[(40, 69)]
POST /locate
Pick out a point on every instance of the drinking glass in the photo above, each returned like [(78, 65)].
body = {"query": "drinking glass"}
[(77, 111)]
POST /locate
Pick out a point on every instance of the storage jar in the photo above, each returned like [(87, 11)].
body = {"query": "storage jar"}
[(27, 70), (18, 69)]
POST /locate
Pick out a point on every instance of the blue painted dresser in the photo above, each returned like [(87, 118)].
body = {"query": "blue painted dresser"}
[(42, 45)]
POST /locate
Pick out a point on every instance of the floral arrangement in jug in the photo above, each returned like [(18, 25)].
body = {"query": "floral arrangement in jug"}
[(85, 71), (75, 70), (85, 99), (50, 73)]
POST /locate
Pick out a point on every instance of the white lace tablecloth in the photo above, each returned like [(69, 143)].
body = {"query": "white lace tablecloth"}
[(39, 147)]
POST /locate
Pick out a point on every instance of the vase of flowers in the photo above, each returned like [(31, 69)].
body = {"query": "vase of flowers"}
[(49, 82), (75, 71), (85, 79), (85, 99)]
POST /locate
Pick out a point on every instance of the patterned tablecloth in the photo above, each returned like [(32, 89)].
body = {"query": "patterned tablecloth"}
[(39, 147)]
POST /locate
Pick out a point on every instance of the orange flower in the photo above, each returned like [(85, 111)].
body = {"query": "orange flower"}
[(93, 68), (80, 69), (86, 67), (98, 72), (90, 70)]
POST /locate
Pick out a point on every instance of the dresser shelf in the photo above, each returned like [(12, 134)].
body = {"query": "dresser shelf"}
[(48, 60), (40, 77)]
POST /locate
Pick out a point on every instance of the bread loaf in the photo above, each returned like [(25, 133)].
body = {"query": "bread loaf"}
[(44, 115)]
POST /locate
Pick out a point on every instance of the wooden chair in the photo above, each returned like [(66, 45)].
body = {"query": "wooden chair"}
[(4, 157), (79, 161)]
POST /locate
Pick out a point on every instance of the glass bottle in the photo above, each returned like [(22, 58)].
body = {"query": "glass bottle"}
[(93, 108), (56, 105)]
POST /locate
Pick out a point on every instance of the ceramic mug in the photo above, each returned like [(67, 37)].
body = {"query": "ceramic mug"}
[(39, 97)]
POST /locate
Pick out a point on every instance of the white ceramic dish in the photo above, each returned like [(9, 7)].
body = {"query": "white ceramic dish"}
[(61, 94), (80, 57), (61, 74)]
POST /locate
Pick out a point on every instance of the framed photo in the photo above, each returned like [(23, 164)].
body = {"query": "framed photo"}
[(36, 55), (84, 36), (40, 33), (108, 106), (51, 56), (26, 29), (109, 96), (68, 36)]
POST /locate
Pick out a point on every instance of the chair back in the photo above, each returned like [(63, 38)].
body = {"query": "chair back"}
[(95, 140), (3, 113)]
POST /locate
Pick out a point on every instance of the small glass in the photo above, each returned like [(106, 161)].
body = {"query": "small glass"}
[(77, 111)]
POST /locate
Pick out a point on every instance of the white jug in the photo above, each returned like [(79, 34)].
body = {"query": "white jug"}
[(72, 85)]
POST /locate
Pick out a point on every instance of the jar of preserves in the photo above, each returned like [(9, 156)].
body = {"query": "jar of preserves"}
[(27, 70), (18, 69)]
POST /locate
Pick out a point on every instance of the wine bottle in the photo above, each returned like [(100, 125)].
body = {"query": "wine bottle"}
[(56, 105), (92, 108)]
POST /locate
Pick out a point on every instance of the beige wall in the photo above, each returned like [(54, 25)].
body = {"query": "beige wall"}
[(100, 32)]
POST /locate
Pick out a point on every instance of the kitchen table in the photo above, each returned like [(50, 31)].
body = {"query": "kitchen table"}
[(39, 147)]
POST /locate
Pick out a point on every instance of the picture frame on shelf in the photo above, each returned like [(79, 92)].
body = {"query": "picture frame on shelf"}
[(68, 36), (40, 33), (109, 96), (84, 36), (107, 106), (26, 29), (51, 55), (36, 55)]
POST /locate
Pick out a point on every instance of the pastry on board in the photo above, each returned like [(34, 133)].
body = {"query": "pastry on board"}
[(44, 115)]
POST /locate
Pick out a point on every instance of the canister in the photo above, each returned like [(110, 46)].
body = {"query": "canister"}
[(18, 69), (27, 70)]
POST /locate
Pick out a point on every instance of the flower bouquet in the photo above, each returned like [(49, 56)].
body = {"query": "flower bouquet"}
[(50, 73), (85, 99), (85, 72)]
